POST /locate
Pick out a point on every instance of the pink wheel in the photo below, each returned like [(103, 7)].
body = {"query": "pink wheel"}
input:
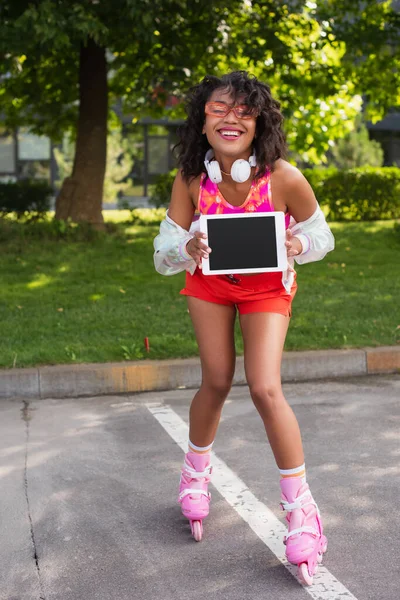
[(197, 530), (304, 575)]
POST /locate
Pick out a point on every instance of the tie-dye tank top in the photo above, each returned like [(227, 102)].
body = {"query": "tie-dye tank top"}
[(259, 199)]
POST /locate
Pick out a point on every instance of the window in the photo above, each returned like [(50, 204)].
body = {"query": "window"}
[(32, 147)]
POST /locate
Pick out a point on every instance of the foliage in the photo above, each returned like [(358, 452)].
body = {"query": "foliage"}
[(65, 57), (316, 177), (369, 32), (119, 165), (362, 194), (45, 228), (289, 50), (161, 194), (145, 216), (24, 198), (153, 47), (319, 58), (357, 150)]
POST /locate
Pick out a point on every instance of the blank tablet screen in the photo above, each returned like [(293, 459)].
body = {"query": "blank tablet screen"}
[(242, 243)]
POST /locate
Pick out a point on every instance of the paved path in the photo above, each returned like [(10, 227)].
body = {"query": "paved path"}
[(88, 497)]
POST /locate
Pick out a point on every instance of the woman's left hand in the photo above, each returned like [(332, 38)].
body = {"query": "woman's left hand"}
[(293, 244)]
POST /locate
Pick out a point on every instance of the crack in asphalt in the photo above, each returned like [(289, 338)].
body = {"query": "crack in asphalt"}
[(27, 416)]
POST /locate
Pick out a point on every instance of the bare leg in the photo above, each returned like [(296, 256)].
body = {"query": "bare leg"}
[(214, 328), (264, 336)]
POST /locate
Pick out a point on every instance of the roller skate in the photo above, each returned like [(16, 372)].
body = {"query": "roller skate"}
[(193, 491), (305, 542)]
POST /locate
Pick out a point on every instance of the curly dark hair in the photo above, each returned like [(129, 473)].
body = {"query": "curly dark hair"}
[(269, 143)]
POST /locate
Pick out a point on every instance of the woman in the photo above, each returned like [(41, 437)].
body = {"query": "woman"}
[(231, 158)]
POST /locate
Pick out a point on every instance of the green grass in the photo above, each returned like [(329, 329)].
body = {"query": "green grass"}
[(89, 297)]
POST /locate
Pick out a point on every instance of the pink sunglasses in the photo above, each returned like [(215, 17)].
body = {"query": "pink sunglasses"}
[(220, 109)]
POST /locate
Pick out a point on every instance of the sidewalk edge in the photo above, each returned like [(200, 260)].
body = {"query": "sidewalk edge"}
[(71, 381)]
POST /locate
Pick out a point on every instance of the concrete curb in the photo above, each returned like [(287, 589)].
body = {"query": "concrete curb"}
[(71, 381)]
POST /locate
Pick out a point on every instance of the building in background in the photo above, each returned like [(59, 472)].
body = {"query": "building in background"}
[(25, 155)]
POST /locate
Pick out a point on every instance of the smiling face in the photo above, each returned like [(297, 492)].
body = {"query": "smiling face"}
[(229, 136)]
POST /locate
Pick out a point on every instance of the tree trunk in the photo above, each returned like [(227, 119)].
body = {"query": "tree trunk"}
[(81, 194)]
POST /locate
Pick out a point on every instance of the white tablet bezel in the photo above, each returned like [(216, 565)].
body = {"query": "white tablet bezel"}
[(280, 233)]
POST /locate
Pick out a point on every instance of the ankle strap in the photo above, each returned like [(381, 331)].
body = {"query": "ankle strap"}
[(186, 470)]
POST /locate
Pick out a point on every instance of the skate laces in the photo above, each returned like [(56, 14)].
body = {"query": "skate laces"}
[(193, 474), (195, 477), (298, 503), (301, 501)]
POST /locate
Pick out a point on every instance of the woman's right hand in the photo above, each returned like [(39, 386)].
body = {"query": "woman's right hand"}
[(197, 249)]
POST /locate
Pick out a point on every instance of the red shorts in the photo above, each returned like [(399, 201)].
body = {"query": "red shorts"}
[(261, 292)]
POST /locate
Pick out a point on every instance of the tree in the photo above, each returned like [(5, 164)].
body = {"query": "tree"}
[(62, 61), (65, 63)]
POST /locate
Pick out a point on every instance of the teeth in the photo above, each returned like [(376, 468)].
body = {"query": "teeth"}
[(231, 133)]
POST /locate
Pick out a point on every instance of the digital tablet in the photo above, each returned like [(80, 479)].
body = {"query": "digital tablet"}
[(244, 243)]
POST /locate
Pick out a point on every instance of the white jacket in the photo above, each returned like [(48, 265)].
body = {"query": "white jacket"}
[(171, 256)]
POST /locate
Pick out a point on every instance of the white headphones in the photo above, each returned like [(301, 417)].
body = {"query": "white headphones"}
[(240, 171)]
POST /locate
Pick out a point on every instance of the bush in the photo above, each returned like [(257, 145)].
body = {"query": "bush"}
[(317, 177), (147, 216), (25, 198), (362, 194), (49, 229), (161, 194), (357, 150)]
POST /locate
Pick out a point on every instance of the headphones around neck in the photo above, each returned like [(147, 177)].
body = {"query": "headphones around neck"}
[(240, 171)]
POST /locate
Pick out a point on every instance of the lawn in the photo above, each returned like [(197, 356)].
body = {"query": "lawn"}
[(88, 300)]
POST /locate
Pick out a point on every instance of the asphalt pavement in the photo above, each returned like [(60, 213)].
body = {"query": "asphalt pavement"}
[(88, 497)]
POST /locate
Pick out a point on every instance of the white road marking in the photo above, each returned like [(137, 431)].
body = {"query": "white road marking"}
[(261, 520)]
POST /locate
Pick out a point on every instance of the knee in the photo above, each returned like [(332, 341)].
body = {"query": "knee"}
[(218, 387), (267, 398)]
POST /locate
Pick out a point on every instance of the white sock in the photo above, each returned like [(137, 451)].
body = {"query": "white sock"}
[(297, 472), (199, 449)]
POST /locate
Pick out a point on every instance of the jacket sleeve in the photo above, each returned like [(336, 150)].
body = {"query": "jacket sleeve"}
[(316, 237), (171, 256)]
